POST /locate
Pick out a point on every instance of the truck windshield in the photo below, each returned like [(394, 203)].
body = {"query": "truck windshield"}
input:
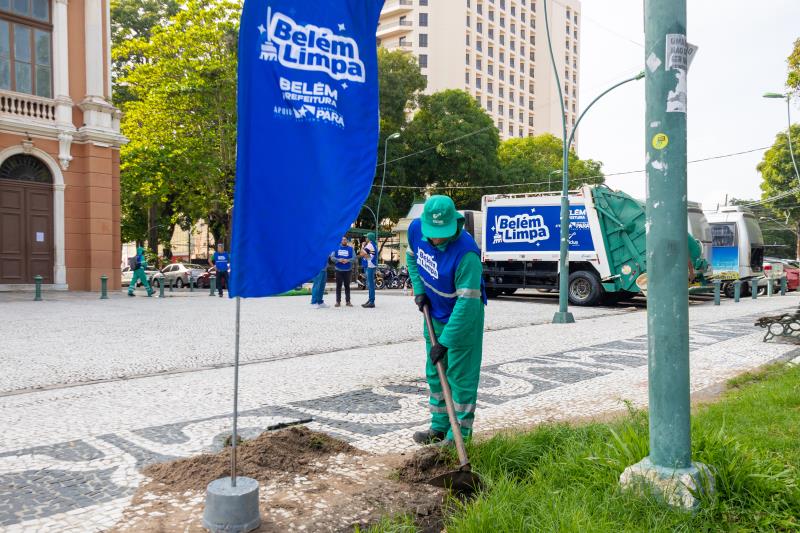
[(723, 234), (698, 226)]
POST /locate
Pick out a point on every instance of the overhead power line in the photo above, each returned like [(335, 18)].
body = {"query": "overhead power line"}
[(590, 178)]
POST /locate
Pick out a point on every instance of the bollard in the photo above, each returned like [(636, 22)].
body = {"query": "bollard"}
[(212, 284), (171, 284), (191, 284), (783, 285), (754, 288), (717, 286), (104, 287), (769, 287), (737, 290), (161, 287), (38, 295)]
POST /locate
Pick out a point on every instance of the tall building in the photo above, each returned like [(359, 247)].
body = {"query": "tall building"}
[(497, 51), (59, 146)]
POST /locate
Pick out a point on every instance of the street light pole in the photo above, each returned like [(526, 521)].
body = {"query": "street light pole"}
[(383, 180), (788, 97), (563, 316)]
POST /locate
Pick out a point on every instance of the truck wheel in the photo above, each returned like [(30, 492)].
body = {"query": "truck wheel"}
[(584, 288)]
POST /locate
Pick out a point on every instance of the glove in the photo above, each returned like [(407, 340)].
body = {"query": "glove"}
[(421, 300), (438, 351)]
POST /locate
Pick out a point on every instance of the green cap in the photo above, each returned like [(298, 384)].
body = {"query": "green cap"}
[(440, 218), (371, 236)]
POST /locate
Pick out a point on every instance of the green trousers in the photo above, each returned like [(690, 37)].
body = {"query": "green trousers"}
[(463, 369), (139, 275)]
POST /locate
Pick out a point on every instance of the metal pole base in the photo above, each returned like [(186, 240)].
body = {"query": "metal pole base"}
[(563, 318), (232, 509), (678, 487)]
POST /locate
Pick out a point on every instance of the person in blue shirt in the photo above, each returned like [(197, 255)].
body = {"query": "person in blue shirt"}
[(221, 260), (370, 263), (343, 261)]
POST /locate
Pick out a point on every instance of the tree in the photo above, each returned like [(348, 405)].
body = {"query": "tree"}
[(538, 160), (400, 85), (793, 79), (134, 19), (454, 143), (779, 178), (181, 121)]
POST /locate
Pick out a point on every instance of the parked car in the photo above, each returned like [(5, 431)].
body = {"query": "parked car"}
[(792, 271), (772, 273), (178, 275), (127, 275), (204, 280)]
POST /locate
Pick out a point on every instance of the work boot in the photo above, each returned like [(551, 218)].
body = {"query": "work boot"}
[(368, 305), (131, 294), (349, 304), (338, 304), (430, 436)]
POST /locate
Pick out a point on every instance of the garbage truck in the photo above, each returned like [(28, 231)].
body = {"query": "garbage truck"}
[(519, 237)]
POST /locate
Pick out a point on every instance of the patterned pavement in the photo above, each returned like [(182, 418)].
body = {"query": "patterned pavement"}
[(70, 454)]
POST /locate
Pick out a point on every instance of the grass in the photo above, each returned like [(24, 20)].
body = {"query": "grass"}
[(391, 524), (565, 478)]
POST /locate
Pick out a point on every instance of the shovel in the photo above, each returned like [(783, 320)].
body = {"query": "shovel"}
[(462, 481)]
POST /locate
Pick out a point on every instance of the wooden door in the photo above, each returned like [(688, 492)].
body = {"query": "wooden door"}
[(26, 232)]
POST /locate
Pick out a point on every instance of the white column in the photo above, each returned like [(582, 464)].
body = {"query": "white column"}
[(94, 48), (61, 66), (58, 229)]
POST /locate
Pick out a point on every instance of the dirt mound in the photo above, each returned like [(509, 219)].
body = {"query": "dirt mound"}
[(426, 464), (307, 482), (271, 454)]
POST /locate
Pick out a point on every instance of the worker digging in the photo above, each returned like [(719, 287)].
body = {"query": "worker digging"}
[(445, 268)]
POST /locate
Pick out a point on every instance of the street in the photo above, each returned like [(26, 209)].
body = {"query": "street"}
[(100, 389)]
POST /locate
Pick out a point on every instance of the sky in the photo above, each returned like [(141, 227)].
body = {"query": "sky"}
[(743, 46)]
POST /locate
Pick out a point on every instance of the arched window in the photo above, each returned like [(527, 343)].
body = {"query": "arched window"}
[(26, 30), (25, 167)]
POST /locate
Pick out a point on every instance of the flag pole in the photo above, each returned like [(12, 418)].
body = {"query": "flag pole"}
[(235, 394)]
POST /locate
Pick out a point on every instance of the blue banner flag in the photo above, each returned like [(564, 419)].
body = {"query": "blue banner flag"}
[(308, 136)]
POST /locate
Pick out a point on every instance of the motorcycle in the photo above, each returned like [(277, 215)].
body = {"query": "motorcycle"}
[(361, 280)]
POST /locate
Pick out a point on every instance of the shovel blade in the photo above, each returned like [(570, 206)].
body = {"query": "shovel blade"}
[(462, 482)]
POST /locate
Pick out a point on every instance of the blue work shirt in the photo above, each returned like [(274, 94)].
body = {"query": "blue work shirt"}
[(222, 261), (344, 252)]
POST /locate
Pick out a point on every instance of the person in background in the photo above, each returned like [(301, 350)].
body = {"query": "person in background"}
[(318, 288), (221, 260), (138, 264), (367, 254), (343, 261), (444, 264)]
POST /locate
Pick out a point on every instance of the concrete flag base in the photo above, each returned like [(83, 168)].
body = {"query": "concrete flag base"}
[(231, 509)]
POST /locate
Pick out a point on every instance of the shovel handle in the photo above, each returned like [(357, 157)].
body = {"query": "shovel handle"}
[(448, 396)]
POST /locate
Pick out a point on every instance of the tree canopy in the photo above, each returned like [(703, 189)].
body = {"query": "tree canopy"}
[(454, 143), (538, 160), (779, 177), (179, 165), (793, 79)]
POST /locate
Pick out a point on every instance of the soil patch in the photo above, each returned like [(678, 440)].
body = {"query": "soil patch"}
[(426, 464), (308, 482), (291, 451)]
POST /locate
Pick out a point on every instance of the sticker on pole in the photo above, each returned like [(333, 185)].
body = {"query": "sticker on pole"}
[(660, 141)]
